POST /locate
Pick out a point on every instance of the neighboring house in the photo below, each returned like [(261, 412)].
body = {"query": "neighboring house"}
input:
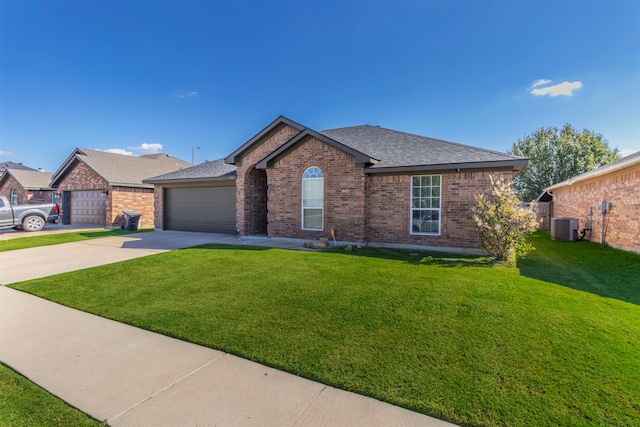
[(13, 165), (97, 186), (370, 184), (617, 184), (26, 186)]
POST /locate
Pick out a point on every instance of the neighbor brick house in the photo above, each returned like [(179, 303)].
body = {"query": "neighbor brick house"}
[(618, 184), (97, 186), (24, 186), (371, 185)]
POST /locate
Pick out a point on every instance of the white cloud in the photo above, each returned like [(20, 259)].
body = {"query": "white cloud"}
[(146, 148), (564, 88), (540, 82), (6, 153), (118, 151), (188, 94)]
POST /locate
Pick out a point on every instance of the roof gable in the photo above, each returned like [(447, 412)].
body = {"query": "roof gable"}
[(234, 157), (360, 158), (29, 179), (119, 169)]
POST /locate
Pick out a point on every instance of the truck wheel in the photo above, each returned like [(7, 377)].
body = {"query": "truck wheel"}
[(33, 223)]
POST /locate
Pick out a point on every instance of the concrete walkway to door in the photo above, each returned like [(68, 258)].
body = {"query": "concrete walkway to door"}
[(132, 377)]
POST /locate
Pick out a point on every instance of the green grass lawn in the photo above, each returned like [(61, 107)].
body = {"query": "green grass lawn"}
[(552, 341), (55, 239), (23, 403)]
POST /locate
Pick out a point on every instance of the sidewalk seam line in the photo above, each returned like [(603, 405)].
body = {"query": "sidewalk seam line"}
[(164, 388), (309, 405)]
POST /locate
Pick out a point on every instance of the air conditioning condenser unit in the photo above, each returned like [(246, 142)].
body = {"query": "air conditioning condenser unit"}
[(564, 229)]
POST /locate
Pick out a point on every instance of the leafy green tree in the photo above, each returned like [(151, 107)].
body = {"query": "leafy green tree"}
[(555, 155), (502, 222)]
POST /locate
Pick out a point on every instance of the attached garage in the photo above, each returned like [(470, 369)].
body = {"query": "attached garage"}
[(209, 209), (87, 207), (199, 198)]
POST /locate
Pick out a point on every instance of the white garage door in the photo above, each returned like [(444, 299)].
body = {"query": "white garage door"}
[(88, 207), (211, 209)]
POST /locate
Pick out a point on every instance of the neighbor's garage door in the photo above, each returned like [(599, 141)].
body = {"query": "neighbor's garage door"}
[(211, 209), (88, 207)]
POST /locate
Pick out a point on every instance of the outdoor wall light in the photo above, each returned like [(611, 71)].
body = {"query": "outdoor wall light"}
[(105, 193)]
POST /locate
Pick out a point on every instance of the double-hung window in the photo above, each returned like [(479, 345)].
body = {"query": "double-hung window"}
[(312, 199), (425, 204)]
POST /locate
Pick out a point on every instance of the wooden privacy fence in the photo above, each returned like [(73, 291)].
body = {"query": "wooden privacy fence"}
[(543, 213)]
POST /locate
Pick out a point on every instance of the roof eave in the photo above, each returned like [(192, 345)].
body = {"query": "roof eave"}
[(593, 174), (515, 165), (234, 157), (187, 180)]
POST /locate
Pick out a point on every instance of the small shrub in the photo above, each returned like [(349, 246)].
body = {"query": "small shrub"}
[(502, 222)]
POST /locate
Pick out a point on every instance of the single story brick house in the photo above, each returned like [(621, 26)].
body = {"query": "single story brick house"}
[(618, 185), (25, 186), (369, 184), (97, 186)]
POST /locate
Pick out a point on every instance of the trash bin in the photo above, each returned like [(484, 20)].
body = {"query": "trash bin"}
[(131, 220)]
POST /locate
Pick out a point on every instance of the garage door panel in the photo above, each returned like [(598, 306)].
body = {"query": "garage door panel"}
[(211, 209), (87, 207)]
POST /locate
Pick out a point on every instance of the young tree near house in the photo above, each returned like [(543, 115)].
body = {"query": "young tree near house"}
[(555, 155), (502, 222)]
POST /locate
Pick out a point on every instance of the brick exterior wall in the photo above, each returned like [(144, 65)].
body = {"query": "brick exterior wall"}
[(81, 178), (389, 209), (246, 205), (359, 207), (130, 198), (158, 207), (25, 197), (344, 195), (620, 188)]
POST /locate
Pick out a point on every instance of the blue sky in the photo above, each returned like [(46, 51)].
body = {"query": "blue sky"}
[(144, 76)]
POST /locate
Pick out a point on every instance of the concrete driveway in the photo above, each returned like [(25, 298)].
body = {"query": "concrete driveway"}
[(33, 263)]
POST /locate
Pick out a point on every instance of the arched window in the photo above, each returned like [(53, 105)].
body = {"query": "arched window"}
[(14, 196), (312, 199)]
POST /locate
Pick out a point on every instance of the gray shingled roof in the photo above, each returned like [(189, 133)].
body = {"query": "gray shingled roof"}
[(31, 179), (395, 149), (119, 169), (215, 170), (13, 165)]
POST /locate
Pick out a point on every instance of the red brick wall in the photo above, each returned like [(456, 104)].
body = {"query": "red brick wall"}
[(344, 196), (389, 209), (621, 189), (158, 207), (246, 205), (11, 183), (81, 177), (130, 198)]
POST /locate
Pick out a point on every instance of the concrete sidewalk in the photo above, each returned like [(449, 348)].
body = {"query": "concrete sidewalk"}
[(130, 377)]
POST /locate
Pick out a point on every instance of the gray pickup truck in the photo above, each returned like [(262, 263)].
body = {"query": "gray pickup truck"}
[(27, 217)]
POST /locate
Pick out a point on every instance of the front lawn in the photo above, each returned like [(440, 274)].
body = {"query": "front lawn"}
[(25, 404), (58, 238), (463, 339)]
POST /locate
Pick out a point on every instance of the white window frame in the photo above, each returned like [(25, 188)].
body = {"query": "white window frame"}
[(303, 207), (412, 209)]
